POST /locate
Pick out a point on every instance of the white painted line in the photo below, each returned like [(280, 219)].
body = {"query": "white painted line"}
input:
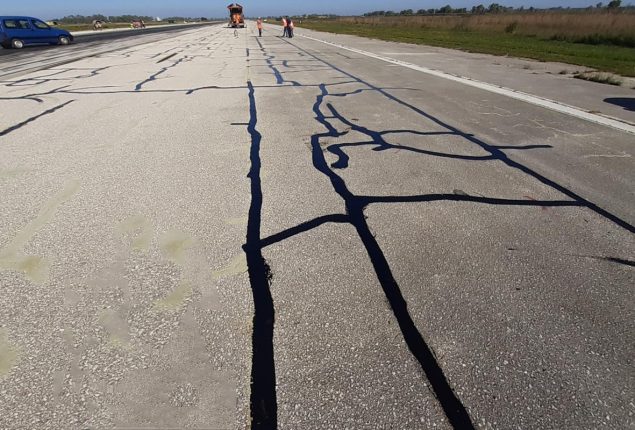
[(518, 95), (409, 53)]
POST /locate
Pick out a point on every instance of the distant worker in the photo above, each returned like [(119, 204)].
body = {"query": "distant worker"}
[(290, 27), (285, 31), (259, 25)]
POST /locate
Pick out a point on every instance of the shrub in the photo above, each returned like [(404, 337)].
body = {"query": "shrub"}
[(511, 28)]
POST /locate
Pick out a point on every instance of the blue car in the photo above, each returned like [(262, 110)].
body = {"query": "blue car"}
[(19, 31)]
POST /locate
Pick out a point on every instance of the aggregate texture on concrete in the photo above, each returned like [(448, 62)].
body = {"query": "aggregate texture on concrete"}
[(217, 230)]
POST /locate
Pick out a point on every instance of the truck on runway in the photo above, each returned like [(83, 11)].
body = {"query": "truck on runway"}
[(236, 17)]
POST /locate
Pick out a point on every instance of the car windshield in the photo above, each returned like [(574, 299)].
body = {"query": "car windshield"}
[(41, 25)]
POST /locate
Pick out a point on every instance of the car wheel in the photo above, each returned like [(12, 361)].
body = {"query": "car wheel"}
[(64, 40), (17, 44)]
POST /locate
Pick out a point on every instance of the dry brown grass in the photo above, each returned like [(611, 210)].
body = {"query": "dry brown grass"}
[(575, 26), (600, 77), (541, 36)]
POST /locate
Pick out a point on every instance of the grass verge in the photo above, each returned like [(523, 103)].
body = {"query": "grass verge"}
[(615, 59)]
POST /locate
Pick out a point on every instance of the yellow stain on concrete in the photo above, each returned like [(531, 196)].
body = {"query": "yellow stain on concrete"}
[(36, 268), (235, 267), (12, 173), (175, 244), (141, 227), (9, 354), (237, 221), (116, 342), (175, 300), (117, 328)]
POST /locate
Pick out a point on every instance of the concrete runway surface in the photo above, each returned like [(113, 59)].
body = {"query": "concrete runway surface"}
[(86, 44), (214, 230)]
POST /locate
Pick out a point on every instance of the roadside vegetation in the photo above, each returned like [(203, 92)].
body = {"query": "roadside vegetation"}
[(85, 22), (602, 78), (108, 25), (600, 38)]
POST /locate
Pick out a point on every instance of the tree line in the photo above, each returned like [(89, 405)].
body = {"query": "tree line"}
[(481, 9)]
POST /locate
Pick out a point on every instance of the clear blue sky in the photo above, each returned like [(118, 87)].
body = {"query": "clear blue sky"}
[(48, 9)]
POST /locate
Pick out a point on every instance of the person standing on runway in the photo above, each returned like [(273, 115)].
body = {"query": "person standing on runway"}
[(285, 31), (259, 25), (290, 27)]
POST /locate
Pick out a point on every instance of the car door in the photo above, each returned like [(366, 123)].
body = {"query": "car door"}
[(42, 33), (18, 29), (25, 31)]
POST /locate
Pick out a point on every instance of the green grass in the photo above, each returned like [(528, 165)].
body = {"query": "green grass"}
[(615, 59)]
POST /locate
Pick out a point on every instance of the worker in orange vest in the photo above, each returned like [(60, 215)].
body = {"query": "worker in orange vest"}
[(259, 25), (285, 32)]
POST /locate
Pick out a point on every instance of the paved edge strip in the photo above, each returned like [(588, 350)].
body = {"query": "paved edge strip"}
[(120, 30), (508, 92), (46, 66)]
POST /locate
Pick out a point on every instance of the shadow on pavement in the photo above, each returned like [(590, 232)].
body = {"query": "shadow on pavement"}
[(628, 103)]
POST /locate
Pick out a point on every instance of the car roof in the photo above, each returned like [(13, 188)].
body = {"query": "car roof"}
[(18, 17)]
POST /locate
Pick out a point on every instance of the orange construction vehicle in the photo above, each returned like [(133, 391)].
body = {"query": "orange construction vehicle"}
[(236, 17)]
